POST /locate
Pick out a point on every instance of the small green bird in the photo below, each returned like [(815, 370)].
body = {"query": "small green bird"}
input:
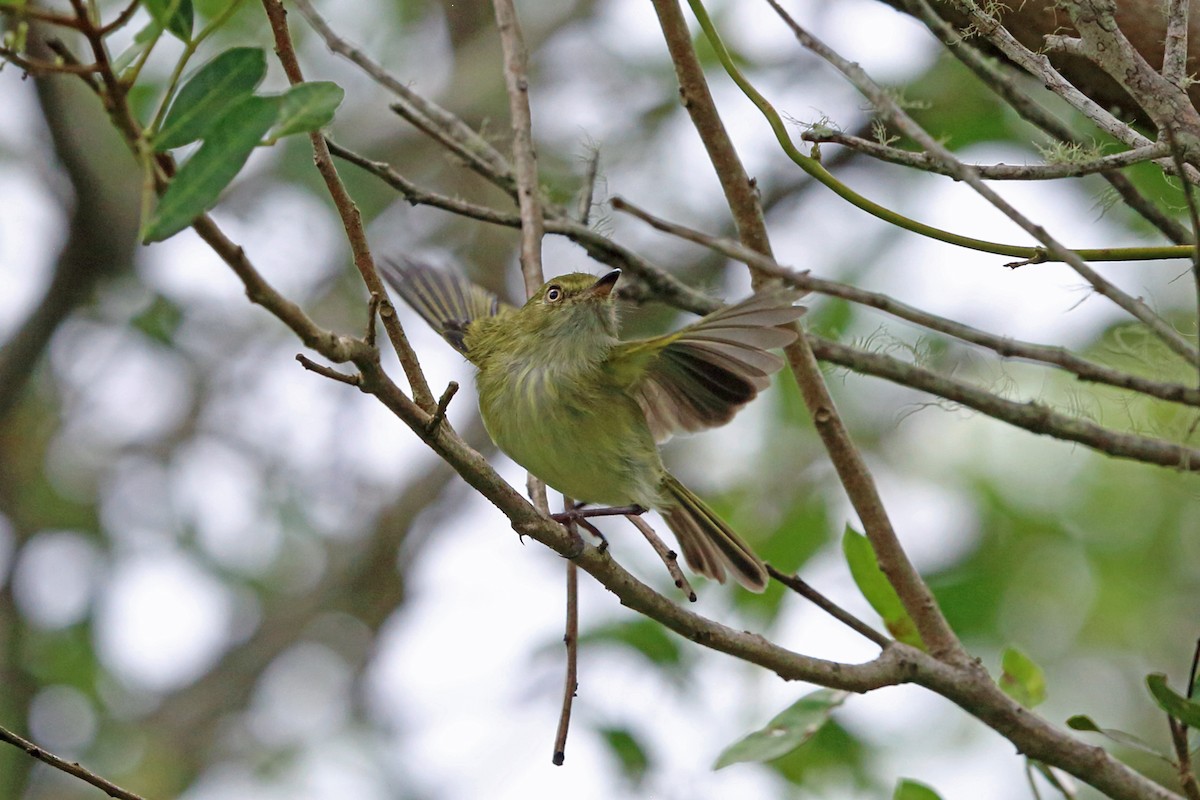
[(570, 402)]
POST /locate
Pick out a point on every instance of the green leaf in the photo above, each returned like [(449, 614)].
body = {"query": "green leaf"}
[(16, 38), (1082, 722), (791, 728), (630, 753), (1021, 679), (142, 40), (307, 107), (159, 320), (912, 790), (646, 637), (1172, 702), (1062, 784), (209, 94), (200, 181), (864, 568), (173, 15)]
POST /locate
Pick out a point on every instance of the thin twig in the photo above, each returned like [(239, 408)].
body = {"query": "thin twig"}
[(1193, 216), (416, 195), (439, 413), (372, 315), (888, 106), (1175, 44), (587, 192), (27, 11), (1179, 736), (122, 18), (1031, 415), (1191, 687), (852, 469), (669, 557), (70, 767), (1009, 348), (1000, 78), (802, 588), (350, 215), (571, 683), (529, 195), (36, 66), (996, 172), (1183, 754), (663, 285), (328, 372), (446, 128)]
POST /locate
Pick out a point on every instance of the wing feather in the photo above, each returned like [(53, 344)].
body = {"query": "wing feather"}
[(700, 376), (447, 301)]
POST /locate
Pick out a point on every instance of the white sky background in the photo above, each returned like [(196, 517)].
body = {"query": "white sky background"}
[(469, 673)]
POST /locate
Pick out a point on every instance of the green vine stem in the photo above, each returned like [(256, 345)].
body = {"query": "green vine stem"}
[(1030, 255)]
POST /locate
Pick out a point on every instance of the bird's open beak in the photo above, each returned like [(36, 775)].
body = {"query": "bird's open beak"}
[(604, 286)]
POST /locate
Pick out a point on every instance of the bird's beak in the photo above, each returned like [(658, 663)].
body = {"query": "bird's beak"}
[(604, 286)]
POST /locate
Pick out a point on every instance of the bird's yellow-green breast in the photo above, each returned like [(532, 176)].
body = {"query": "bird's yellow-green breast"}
[(551, 400)]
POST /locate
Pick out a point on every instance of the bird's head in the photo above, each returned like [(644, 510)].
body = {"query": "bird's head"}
[(574, 303)]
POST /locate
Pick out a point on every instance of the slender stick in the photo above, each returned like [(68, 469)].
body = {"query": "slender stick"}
[(669, 557), (890, 108), (328, 372), (350, 215), (802, 588), (516, 80), (996, 172), (852, 469), (1193, 214), (1009, 348), (571, 684), (1031, 415), (1175, 45), (1002, 80), (70, 767)]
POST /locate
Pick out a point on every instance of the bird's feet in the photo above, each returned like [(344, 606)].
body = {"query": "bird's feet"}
[(579, 512), (579, 515)]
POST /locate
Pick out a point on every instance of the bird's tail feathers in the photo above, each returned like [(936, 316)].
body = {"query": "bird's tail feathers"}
[(709, 545)]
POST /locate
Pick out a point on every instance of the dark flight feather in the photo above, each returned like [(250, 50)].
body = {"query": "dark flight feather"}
[(449, 303)]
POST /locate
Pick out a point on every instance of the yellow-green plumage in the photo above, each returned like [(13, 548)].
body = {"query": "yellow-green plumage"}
[(565, 398)]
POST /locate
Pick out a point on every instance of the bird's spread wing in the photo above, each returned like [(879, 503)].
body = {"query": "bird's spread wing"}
[(449, 303), (700, 376)]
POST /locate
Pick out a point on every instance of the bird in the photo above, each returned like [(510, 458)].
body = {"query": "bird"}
[(563, 396)]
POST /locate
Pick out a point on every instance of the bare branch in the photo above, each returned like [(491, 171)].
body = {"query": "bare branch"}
[(571, 684), (328, 372), (439, 413), (995, 172), (70, 767), (1002, 345), (904, 123), (1175, 44), (802, 588), (852, 470), (449, 129), (350, 216), (669, 557), (529, 195), (1031, 415), (1000, 79)]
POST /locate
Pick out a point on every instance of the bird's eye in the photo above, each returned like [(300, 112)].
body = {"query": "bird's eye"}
[(554, 294)]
